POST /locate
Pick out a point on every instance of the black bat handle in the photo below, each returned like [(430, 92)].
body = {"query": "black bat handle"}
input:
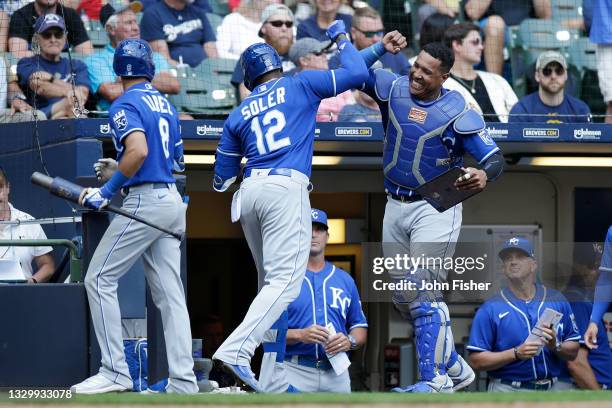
[(120, 211)]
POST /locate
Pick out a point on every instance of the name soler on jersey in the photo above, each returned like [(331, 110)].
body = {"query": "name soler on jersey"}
[(456, 284), (263, 103)]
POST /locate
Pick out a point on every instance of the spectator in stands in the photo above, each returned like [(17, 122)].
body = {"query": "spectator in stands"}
[(179, 31), (308, 54), (448, 8), (601, 34), (45, 266), (487, 92), (365, 109), (494, 16), (368, 29), (433, 29), (239, 29), (276, 30), (550, 100), (315, 25), (19, 110), (499, 339), (7, 8), (120, 23), (47, 79), (21, 27), (591, 368)]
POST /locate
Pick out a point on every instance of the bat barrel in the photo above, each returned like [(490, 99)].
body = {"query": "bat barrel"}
[(41, 180)]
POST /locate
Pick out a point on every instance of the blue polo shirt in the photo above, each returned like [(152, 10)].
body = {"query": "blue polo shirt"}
[(100, 70), (532, 104), (185, 31), (310, 28)]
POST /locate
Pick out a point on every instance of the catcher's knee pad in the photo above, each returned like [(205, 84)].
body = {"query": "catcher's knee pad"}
[(275, 338), (432, 338)]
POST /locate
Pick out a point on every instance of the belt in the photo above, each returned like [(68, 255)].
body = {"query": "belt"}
[(311, 362), (269, 172), (154, 186), (540, 385), (405, 198)]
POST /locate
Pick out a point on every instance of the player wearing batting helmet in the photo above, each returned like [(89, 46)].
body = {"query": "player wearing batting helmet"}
[(147, 136)]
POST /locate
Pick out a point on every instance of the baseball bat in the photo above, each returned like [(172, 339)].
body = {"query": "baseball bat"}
[(70, 191)]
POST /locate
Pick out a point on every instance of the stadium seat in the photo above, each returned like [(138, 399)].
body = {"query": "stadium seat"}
[(220, 7), (563, 10), (533, 37), (207, 89), (97, 35), (214, 20), (582, 54)]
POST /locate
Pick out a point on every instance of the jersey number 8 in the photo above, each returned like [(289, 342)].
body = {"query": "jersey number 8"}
[(164, 132), (277, 121)]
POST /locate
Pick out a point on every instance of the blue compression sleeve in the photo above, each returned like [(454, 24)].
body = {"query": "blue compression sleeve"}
[(371, 54), (353, 72)]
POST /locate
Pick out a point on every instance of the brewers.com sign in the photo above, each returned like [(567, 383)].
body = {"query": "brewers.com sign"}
[(541, 133)]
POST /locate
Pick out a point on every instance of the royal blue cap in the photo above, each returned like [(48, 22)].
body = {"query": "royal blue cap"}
[(520, 243), (43, 23), (320, 217)]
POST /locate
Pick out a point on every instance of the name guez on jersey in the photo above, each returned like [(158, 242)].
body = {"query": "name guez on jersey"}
[(157, 103), (263, 103)]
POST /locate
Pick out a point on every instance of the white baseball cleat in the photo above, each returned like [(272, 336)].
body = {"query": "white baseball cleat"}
[(461, 373), (97, 384)]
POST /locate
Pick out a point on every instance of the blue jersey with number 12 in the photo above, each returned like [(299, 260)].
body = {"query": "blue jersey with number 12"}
[(142, 108), (274, 127)]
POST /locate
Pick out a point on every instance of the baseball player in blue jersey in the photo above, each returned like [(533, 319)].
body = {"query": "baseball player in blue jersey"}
[(591, 368), (498, 339), (603, 294), (147, 137), (427, 131), (328, 296), (274, 129)]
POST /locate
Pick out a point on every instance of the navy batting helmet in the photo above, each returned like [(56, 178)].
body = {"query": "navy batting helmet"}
[(257, 60), (134, 58)]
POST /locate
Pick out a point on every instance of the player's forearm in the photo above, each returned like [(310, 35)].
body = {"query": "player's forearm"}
[(294, 336), (360, 334), (569, 350), (353, 72), (494, 166), (491, 360), (372, 53), (136, 151), (581, 371)]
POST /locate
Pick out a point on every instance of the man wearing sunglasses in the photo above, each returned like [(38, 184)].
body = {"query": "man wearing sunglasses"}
[(486, 92), (277, 31), (310, 54), (46, 79), (368, 29), (550, 104)]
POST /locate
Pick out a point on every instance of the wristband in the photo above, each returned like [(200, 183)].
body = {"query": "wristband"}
[(110, 188)]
